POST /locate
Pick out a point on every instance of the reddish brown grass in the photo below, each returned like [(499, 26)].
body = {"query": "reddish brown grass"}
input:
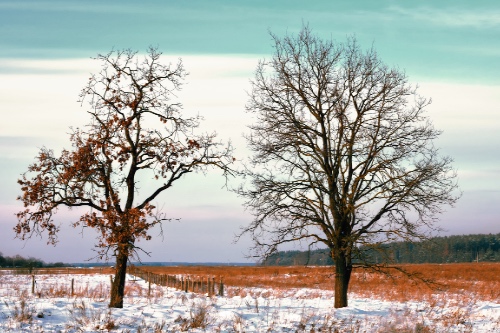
[(58, 270), (478, 280)]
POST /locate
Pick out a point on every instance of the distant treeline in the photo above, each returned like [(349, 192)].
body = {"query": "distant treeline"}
[(18, 261), (449, 249)]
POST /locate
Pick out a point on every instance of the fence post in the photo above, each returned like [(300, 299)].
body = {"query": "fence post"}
[(72, 287), (33, 283), (221, 287)]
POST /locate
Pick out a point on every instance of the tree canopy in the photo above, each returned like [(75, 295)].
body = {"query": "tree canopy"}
[(137, 131), (343, 153)]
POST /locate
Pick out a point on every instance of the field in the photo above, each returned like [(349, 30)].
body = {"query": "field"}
[(462, 298)]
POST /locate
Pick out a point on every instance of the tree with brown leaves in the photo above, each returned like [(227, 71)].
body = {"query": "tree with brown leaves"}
[(137, 131), (343, 154)]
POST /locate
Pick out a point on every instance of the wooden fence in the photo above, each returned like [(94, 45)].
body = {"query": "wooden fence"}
[(189, 283)]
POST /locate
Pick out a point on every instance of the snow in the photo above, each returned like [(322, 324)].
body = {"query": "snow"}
[(53, 309)]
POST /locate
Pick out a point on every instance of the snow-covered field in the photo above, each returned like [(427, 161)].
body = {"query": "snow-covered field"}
[(53, 309)]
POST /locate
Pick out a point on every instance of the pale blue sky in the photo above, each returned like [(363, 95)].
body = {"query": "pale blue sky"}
[(449, 39), (451, 49)]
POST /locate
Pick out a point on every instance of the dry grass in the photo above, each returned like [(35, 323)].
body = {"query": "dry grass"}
[(83, 315), (20, 311), (477, 280), (199, 317), (58, 270), (252, 276), (450, 306)]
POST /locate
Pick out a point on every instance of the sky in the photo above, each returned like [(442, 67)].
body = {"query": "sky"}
[(450, 49)]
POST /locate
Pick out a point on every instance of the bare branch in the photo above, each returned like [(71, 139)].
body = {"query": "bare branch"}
[(343, 153), (137, 130)]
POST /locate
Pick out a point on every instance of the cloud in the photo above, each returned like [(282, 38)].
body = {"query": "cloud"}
[(47, 66), (449, 17), (39, 106), (68, 6)]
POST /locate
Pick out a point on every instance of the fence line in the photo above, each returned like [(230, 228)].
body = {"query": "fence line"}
[(188, 283)]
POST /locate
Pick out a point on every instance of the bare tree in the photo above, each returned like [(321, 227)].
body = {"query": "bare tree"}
[(137, 131), (343, 154)]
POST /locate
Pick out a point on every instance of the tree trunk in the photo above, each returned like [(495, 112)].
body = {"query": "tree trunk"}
[(342, 276), (118, 285)]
